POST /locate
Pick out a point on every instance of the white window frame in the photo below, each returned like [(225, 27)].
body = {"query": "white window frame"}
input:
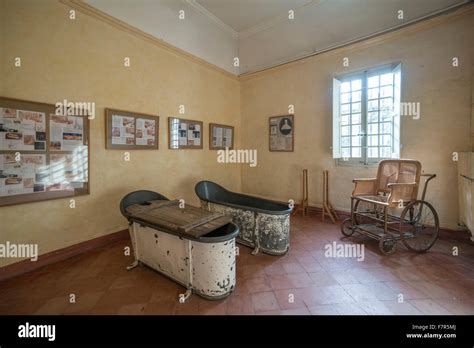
[(395, 111)]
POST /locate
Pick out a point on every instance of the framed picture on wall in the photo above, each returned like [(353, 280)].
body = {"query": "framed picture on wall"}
[(281, 133), (131, 131), (184, 134), (221, 136), (43, 155)]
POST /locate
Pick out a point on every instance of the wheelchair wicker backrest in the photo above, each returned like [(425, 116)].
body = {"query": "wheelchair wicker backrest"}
[(399, 171)]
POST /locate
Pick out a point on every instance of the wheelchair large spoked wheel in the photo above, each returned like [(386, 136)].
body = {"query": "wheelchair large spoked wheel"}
[(419, 226)]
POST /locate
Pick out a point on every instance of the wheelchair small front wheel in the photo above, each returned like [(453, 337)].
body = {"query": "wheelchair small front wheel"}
[(387, 245), (346, 227)]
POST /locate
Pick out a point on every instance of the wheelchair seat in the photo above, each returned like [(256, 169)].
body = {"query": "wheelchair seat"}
[(397, 180)]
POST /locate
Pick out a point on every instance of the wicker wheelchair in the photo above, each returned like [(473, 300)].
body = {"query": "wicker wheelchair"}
[(386, 208)]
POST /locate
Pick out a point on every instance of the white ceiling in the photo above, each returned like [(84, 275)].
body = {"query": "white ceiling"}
[(259, 32), (329, 23), (242, 15), (197, 34)]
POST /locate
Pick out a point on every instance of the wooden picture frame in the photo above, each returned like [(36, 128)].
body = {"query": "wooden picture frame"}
[(31, 171), (177, 135), (121, 137), (281, 133), (212, 127)]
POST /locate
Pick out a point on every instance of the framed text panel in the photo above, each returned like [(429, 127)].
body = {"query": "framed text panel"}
[(221, 137), (131, 131), (184, 134), (43, 155)]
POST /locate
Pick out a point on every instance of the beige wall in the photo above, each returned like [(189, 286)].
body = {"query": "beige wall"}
[(428, 77), (82, 60)]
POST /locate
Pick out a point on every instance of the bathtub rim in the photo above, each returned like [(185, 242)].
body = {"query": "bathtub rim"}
[(123, 206), (202, 239), (243, 207)]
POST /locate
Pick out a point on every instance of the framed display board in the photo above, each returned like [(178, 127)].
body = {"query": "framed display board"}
[(220, 136), (43, 155), (184, 134), (281, 133), (131, 131)]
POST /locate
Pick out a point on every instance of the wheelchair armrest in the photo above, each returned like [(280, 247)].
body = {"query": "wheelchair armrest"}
[(363, 179), (402, 192), (364, 187)]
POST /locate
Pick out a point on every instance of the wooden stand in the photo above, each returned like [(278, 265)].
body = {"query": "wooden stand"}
[(304, 202), (327, 207)]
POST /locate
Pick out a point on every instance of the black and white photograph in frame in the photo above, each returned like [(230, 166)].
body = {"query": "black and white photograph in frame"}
[(281, 136)]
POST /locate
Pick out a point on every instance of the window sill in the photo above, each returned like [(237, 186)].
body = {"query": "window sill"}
[(342, 163)]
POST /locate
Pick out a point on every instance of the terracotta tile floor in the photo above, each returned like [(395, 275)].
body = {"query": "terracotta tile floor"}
[(302, 282)]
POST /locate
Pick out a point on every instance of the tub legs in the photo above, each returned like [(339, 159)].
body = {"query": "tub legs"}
[(132, 231), (189, 259), (256, 236), (185, 296), (133, 265)]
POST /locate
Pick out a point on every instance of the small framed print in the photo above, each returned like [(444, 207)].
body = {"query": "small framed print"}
[(281, 133), (221, 137), (131, 131), (184, 134)]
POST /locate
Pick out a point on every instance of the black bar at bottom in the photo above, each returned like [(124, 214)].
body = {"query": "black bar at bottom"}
[(140, 330)]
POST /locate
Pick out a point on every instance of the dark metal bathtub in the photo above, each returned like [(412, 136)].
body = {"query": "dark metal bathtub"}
[(263, 224)]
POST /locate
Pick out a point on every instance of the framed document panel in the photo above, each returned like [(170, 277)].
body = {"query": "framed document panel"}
[(43, 155), (281, 133), (184, 134), (221, 137), (131, 131)]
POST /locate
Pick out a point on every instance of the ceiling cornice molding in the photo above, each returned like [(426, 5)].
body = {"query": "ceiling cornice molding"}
[(440, 17), (209, 15), (409, 27), (91, 11), (276, 20)]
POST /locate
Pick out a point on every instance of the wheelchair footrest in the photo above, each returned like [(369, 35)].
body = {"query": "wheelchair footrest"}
[(374, 231)]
